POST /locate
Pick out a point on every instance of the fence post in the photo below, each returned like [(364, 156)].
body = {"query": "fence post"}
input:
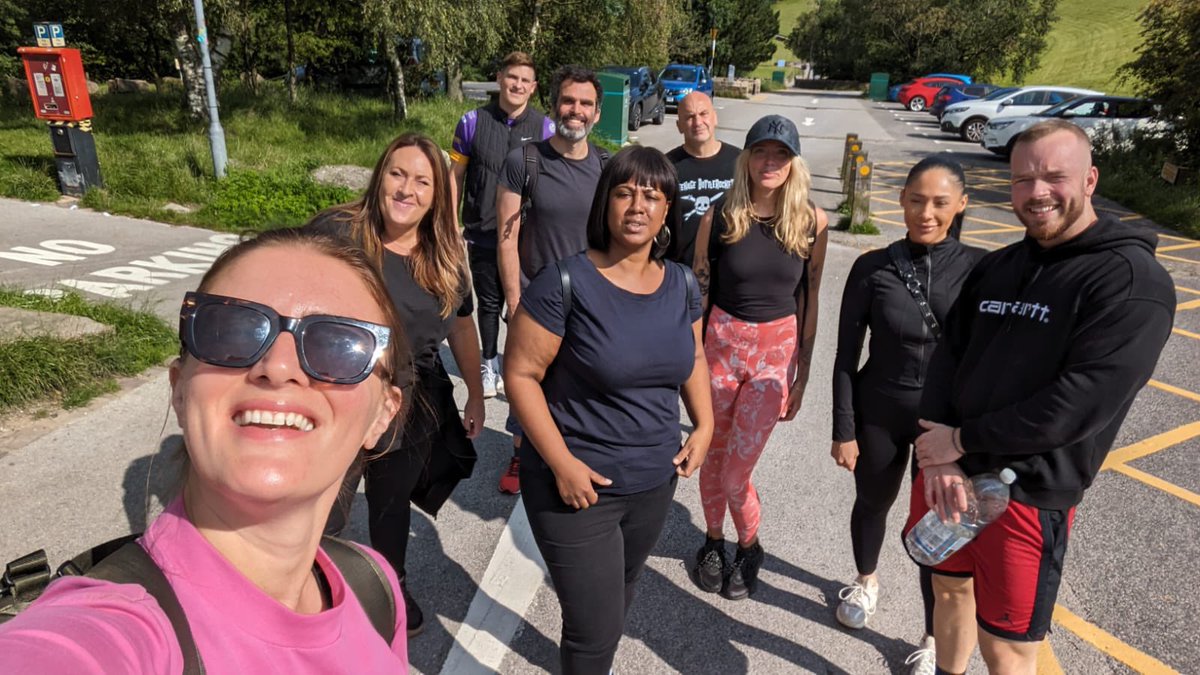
[(860, 205), (857, 157), (850, 139)]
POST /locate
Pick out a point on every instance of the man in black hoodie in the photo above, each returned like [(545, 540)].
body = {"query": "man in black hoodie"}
[(1049, 342)]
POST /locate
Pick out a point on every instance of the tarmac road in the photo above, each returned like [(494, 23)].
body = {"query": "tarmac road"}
[(475, 571)]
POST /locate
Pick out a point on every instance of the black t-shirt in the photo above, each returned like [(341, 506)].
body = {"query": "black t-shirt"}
[(557, 218), (755, 279), (702, 181), (613, 389), (420, 311)]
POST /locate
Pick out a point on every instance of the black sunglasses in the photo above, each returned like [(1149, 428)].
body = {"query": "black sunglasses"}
[(235, 333)]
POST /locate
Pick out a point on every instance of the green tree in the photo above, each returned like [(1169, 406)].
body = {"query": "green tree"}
[(14, 25), (746, 31), (849, 39), (1167, 67)]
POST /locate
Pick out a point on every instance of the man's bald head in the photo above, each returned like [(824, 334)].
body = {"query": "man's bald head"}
[(697, 121)]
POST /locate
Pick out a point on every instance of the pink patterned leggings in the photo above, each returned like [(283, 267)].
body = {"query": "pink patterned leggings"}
[(752, 367)]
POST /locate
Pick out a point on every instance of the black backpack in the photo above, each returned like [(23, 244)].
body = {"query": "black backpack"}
[(124, 561), (533, 168)]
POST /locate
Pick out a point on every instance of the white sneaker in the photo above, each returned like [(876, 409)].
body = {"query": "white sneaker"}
[(490, 376), (924, 660), (858, 604)]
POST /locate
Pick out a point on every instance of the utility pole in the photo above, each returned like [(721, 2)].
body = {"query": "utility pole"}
[(216, 135), (712, 58)]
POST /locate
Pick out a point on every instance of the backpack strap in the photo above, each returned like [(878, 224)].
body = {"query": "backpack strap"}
[(898, 251), (130, 564), (367, 579), (564, 278), (532, 168), (604, 155), (689, 280)]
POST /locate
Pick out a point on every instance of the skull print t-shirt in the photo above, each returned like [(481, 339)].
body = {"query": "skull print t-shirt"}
[(701, 183)]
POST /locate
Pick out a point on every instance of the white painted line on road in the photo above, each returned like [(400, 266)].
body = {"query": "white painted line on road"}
[(808, 122), (512, 579), (937, 142), (816, 101)]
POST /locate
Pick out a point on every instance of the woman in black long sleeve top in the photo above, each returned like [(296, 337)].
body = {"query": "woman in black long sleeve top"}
[(875, 407)]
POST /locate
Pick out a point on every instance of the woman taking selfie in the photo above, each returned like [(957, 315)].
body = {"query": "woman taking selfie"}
[(291, 357)]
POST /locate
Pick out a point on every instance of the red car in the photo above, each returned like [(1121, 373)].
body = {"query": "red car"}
[(919, 94)]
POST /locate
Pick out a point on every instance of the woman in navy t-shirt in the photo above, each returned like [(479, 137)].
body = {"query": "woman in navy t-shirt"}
[(599, 352)]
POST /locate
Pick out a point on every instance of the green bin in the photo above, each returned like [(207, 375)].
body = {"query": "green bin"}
[(779, 76), (614, 109), (879, 86)]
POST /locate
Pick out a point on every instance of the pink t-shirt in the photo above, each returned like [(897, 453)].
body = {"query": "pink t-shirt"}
[(82, 625)]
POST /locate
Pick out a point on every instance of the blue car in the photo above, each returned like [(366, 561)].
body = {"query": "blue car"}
[(680, 80), (952, 94), (894, 90)]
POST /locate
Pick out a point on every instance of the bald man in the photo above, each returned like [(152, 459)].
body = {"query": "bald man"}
[(705, 166), (1040, 360)]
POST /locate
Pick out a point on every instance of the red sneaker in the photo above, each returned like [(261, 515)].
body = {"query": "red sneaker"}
[(510, 480)]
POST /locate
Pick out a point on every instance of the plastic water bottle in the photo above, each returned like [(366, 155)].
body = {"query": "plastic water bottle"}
[(932, 541)]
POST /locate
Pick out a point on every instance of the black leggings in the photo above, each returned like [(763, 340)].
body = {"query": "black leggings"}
[(489, 297), (594, 556), (885, 427)]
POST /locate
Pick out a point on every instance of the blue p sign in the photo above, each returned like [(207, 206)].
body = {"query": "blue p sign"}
[(57, 39), (42, 32)]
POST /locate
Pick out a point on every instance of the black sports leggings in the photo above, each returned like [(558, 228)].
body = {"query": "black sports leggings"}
[(489, 297), (594, 556), (885, 427)]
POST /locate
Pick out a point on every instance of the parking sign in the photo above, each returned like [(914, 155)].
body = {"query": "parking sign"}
[(57, 39), (42, 32)]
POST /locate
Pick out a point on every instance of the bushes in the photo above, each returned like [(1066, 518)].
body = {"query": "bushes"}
[(267, 200), (1129, 174)]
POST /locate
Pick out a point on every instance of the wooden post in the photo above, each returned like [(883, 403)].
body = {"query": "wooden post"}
[(860, 209), (857, 157), (850, 140)]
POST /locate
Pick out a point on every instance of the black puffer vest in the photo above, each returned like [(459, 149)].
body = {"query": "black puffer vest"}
[(494, 139)]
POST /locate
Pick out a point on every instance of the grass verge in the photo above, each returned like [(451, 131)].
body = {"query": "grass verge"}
[(1132, 179), (151, 153), (76, 371)]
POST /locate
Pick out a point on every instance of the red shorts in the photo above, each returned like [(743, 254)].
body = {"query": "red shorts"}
[(1016, 563)]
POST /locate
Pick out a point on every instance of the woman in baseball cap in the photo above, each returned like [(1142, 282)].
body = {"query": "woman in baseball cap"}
[(759, 254)]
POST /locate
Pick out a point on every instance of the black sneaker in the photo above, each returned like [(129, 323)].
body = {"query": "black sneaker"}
[(414, 617), (742, 581), (709, 570)]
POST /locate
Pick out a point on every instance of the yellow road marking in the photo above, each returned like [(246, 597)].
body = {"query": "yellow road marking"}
[(1047, 662), (1187, 290), (1109, 643), (997, 230), (983, 205), (1156, 482), (1151, 445), (983, 242), (1171, 389), (997, 223), (1190, 304), (1186, 333), (1177, 258), (889, 212), (1179, 247), (885, 200), (1130, 217), (1174, 238), (889, 221)]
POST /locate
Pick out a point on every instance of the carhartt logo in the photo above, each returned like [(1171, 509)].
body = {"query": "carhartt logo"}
[(776, 128), (1033, 310)]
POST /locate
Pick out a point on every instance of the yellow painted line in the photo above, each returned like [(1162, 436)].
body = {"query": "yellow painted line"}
[(1190, 304), (1174, 238), (885, 200), (1171, 389), (1185, 289), (997, 230), (889, 221), (1179, 247), (1151, 445), (889, 212), (1186, 333), (983, 242), (1125, 219), (984, 205), (1109, 643), (1156, 482), (997, 223), (1177, 258), (1047, 662)]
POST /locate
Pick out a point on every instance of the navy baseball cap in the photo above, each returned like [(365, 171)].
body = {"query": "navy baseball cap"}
[(774, 128)]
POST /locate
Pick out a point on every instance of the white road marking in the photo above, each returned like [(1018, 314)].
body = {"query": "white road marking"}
[(808, 122), (512, 579)]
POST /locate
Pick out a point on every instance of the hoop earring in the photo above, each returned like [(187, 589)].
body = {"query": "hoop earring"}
[(666, 243)]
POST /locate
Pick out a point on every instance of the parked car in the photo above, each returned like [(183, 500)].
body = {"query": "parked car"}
[(969, 118), (894, 90), (953, 93), (680, 80), (918, 94), (645, 95), (1102, 117)]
